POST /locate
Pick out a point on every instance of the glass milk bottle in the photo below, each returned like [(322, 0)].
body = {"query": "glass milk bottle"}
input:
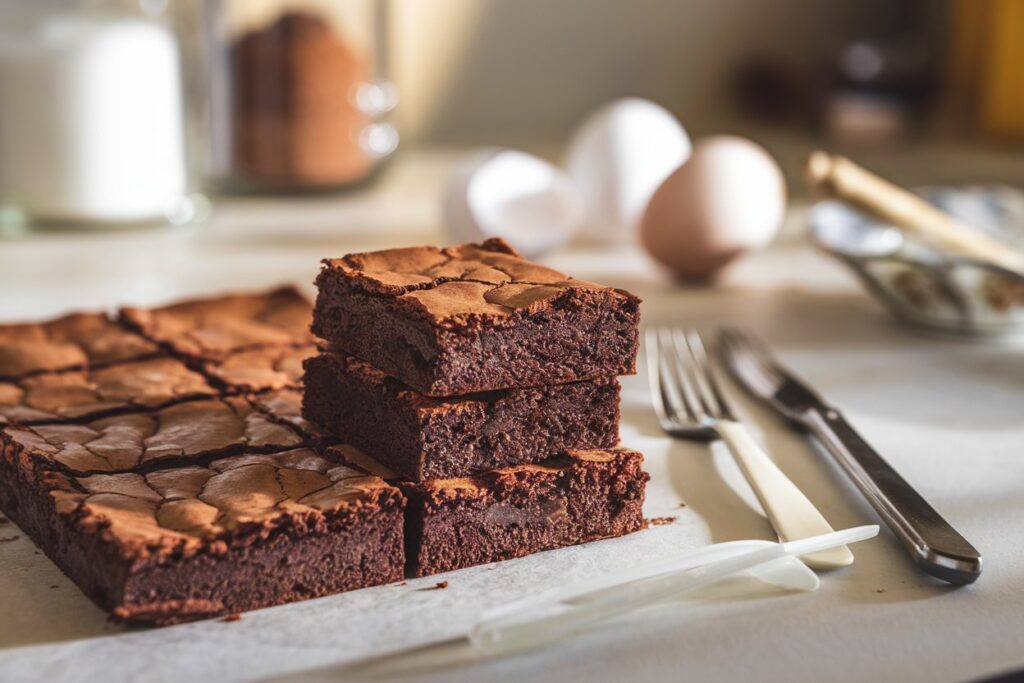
[(92, 117)]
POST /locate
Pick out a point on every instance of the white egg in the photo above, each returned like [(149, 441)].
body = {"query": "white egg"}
[(729, 198), (517, 196), (618, 157)]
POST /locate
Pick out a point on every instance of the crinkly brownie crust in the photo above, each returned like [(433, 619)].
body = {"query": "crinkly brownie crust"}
[(213, 328), (74, 342), (82, 395), (180, 434)]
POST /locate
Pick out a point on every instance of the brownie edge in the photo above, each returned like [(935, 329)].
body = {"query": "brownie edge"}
[(573, 498), (419, 437)]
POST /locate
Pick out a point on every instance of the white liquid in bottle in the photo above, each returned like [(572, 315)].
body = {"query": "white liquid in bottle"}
[(91, 123)]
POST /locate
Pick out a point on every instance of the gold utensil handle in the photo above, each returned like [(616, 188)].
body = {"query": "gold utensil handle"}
[(838, 177)]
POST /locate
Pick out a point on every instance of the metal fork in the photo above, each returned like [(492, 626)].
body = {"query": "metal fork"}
[(690, 405)]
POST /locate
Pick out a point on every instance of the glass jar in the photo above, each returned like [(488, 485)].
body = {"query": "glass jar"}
[(92, 116), (297, 93)]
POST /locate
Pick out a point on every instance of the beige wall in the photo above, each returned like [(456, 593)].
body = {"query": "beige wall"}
[(523, 71)]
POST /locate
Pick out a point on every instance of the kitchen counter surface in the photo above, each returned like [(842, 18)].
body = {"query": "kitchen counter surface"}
[(947, 414)]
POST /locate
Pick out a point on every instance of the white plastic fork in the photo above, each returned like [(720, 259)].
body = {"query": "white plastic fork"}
[(534, 623)]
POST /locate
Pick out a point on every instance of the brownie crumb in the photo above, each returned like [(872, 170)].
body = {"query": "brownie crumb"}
[(440, 585), (232, 617), (879, 590), (682, 505), (8, 539), (4, 520), (661, 521)]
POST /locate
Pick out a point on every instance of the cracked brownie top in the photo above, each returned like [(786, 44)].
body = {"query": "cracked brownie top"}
[(237, 500), (73, 342), (450, 283), (191, 430), (214, 328), (277, 367), (88, 394), (285, 405)]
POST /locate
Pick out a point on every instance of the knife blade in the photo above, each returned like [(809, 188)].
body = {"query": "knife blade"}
[(935, 546)]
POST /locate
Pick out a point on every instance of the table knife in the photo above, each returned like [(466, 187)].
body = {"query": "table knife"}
[(936, 547)]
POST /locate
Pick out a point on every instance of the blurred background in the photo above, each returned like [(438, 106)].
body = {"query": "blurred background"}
[(171, 112), (886, 77), (930, 91)]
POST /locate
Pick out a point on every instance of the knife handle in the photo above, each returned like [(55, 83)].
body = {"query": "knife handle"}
[(935, 545)]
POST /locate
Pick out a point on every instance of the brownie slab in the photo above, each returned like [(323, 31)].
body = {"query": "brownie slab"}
[(263, 369), (285, 406), (213, 328), (90, 394), (572, 498), (419, 437), (184, 432), (73, 342), (476, 317), (191, 542)]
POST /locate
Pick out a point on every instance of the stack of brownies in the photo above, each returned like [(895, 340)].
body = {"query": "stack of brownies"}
[(162, 461), (483, 386)]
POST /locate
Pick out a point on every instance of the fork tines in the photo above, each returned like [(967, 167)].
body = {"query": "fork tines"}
[(684, 390)]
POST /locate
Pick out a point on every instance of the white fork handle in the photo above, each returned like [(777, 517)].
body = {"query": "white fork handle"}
[(790, 512)]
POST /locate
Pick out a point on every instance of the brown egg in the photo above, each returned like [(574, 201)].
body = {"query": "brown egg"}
[(727, 199)]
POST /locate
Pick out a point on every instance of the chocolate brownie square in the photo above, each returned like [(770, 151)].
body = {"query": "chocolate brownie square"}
[(90, 394), (213, 328), (274, 367), (475, 317), (419, 437), (571, 498), (73, 342), (190, 431), (198, 541)]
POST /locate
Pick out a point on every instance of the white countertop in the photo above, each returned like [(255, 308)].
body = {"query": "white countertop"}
[(947, 414)]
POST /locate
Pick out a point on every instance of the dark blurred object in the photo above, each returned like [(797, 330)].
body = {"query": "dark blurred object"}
[(298, 99), (770, 91), (869, 90), (881, 88)]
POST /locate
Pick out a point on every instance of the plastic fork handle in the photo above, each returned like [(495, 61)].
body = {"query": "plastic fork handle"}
[(542, 624), (791, 513), (933, 543)]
